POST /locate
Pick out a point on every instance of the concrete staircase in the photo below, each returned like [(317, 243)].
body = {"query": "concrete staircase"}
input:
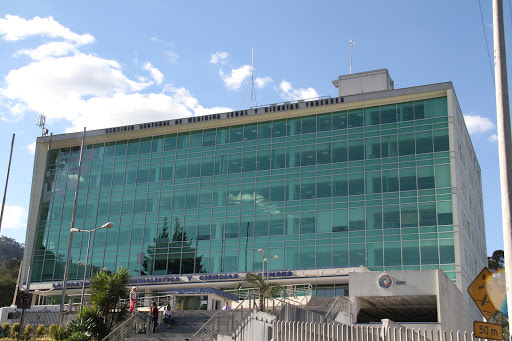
[(320, 305), (185, 324)]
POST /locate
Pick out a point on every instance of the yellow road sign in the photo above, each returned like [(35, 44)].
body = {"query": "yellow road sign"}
[(485, 330), (478, 292)]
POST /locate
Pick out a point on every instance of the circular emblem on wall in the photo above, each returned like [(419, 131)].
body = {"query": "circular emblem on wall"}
[(385, 281)]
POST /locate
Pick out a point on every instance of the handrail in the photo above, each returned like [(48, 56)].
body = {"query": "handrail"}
[(337, 300), (209, 326), (129, 320)]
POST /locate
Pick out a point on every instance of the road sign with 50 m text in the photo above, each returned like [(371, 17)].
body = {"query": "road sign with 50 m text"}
[(485, 330)]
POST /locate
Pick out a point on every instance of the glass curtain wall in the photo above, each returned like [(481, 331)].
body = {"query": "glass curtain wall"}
[(360, 187)]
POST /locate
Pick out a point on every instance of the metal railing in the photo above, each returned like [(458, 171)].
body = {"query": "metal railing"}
[(138, 323), (161, 301), (341, 303), (226, 322)]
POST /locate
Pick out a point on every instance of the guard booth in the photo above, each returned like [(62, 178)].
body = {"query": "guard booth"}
[(202, 299)]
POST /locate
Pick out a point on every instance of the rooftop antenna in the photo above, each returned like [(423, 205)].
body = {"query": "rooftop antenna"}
[(41, 121), (351, 45), (251, 81)]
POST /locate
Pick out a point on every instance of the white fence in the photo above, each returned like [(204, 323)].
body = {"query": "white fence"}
[(316, 331)]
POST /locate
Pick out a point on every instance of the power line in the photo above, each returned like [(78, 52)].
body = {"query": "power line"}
[(487, 45)]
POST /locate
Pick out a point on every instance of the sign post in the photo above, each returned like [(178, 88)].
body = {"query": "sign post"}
[(24, 302), (487, 295)]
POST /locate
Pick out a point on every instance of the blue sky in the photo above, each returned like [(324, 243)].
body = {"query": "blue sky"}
[(105, 63)]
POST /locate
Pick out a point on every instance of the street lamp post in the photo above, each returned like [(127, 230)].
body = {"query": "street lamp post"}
[(265, 260), (75, 230)]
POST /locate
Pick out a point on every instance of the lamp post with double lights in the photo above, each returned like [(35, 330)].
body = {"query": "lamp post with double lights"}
[(265, 260), (75, 230)]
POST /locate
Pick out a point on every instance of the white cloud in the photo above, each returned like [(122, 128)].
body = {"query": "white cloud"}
[(234, 80), (155, 73), (14, 28), (478, 124), (15, 217), (493, 138), (288, 93), (173, 56), (32, 148), (86, 90), (262, 82), (219, 57), (55, 49), (58, 86)]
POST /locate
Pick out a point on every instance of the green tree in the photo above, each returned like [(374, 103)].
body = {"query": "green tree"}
[(107, 290), (10, 248), (264, 288), (494, 263), (8, 279)]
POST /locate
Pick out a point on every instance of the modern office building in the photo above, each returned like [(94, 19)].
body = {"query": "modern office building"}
[(377, 179)]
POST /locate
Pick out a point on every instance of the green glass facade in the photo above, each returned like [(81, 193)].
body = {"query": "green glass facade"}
[(368, 186)]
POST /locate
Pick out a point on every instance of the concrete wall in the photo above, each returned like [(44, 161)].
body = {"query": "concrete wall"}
[(453, 312), (467, 201)]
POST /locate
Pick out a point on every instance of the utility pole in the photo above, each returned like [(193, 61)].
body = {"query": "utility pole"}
[(504, 140), (6, 182)]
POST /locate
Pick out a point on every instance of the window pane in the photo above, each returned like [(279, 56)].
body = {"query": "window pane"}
[(355, 118), (424, 143), (407, 179), (429, 252), (356, 150), (324, 122), (323, 153), (443, 176), (428, 214), (406, 112), (339, 152), (441, 142), (425, 177), (375, 255), (308, 124), (294, 126), (372, 116), (446, 251), (356, 219), (406, 144), (373, 182), (409, 215), (388, 114), (389, 146), (444, 213), (439, 107), (391, 217), (250, 132), (392, 254), (411, 252), (340, 221), (339, 120), (374, 218)]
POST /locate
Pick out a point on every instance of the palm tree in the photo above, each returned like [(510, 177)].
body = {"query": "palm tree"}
[(107, 289), (264, 288)]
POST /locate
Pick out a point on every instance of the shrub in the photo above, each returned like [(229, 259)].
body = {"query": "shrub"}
[(41, 330), (28, 331), (78, 336), (15, 329), (6, 327), (89, 322), (57, 332)]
